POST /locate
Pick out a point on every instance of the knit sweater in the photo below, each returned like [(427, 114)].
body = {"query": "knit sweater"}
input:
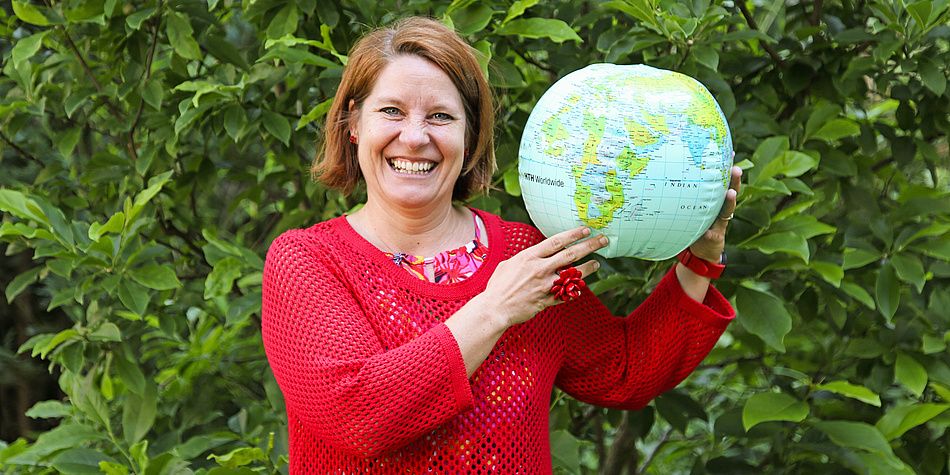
[(375, 382)]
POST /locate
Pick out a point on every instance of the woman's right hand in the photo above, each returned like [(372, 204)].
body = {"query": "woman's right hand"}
[(520, 287)]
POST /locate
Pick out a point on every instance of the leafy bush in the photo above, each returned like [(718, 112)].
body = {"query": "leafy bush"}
[(152, 150)]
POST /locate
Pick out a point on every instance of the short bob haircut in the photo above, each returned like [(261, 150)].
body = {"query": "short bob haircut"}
[(337, 164)]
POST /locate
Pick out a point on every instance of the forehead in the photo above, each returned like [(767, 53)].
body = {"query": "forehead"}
[(411, 78)]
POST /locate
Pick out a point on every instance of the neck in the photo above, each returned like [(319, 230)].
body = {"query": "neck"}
[(418, 232)]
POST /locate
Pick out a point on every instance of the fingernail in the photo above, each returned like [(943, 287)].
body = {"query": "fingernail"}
[(603, 240), (586, 231)]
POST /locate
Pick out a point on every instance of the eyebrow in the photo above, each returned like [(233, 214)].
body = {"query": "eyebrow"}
[(443, 105)]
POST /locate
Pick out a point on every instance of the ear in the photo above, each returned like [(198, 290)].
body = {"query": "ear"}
[(351, 117)]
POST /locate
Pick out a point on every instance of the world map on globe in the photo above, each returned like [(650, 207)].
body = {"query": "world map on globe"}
[(639, 154)]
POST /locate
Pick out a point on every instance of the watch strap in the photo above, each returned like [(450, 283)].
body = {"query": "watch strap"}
[(700, 266)]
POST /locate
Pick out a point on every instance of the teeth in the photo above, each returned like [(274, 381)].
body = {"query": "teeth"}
[(410, 167)]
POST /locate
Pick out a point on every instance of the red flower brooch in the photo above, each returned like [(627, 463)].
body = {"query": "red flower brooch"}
[(568, 285)]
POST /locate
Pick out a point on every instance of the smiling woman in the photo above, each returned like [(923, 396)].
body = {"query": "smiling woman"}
[(419, 336)]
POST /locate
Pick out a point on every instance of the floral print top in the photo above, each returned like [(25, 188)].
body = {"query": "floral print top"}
[(447, 267)]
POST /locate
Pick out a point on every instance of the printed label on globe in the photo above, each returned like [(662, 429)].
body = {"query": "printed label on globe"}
[(639, 154)]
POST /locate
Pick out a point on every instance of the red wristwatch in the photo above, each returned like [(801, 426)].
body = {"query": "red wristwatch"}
[(700, 266)]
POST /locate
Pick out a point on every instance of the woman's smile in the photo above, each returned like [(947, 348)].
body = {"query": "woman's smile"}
[(410, 167)]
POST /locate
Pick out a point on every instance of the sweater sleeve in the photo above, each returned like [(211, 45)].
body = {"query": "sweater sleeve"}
[(626, 362), (332, 368)]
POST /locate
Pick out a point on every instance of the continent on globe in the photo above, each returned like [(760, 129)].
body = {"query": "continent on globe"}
[(639, 154)]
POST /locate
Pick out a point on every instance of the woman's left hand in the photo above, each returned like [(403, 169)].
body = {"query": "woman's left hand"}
[(710, 245)]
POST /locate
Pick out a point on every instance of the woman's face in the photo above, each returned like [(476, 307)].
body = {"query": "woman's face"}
[(411, 135)]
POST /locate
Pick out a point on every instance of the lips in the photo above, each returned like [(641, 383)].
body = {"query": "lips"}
[(411, 167)]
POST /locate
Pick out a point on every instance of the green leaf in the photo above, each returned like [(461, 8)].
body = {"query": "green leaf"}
[(25, 48), (284, 22), (235, 121), (767, 151), (910, 373), (790, 164), (60, 337), (20, 205), (565, 450), (114, 225), (933, 78), (888, 291), (899, 420), (767, 407), (129, 373), (30, 14), (518, 8), (155, 277), (512, 185), (138, 414), (225, 51), (831, 273), (106, 332), (134, 297), (221, 279), (556, 30), (909, 269), (180, 36), (938, 249), (67, 435), (22, 281), (152, 93), (788, 242), (135, 20), (473, 18), (293, 56), (238, 457), (859, 435), (80, 461), (858, 293), (855, 258), (837, 129), (706, 56), (113, 468), (853, 391), (277, 125), (639, 9), (48, 410), (763, 315), (317, 112)]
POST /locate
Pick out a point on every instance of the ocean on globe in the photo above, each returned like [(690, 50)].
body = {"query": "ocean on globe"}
[(639, 154)]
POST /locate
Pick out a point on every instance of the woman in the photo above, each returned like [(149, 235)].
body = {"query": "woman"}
[(394, 363)]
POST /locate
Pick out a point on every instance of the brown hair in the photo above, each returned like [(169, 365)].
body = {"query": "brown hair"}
[(337, 164)]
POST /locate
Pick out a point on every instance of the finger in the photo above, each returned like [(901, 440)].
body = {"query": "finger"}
[(736, 180), (588, 268), (578, 251), (559, 241)]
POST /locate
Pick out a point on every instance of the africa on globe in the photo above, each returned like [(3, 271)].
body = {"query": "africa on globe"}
[(639, 154)]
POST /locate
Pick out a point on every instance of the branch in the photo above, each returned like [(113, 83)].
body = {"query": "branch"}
[(115, 110), (623, 450), (649, 460), (148, 73), (19, 150), (752, 24), (816, 14)]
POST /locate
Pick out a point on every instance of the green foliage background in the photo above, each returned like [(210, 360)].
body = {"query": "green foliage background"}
[(152, 149)]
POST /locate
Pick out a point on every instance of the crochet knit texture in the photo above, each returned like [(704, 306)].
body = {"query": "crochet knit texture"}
[(375, 383)]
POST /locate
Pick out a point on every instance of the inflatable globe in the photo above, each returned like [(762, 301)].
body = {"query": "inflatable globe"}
[(639, 154)]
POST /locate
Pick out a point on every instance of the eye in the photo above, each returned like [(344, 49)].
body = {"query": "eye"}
[(442, 116), (389, 111)]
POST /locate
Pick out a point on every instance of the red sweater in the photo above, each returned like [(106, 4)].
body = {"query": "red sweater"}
[(375, 383)]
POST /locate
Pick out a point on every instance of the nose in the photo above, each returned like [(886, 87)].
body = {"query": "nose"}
[(414, 134)]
